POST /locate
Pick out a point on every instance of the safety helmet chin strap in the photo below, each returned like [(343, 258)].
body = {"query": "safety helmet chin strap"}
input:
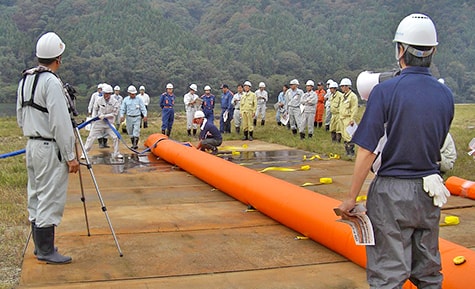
[(413, 51)]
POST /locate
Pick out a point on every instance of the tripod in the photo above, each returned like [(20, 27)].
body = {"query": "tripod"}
[(83, 199)]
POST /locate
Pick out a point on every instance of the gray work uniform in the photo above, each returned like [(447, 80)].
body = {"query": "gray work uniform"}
[(236, 102), (307, 117), (108, 109), (51, 143), (292, 98), (133, 108)]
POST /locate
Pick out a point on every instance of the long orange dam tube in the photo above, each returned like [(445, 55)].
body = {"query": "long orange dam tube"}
[(460, 187), (304, 211)]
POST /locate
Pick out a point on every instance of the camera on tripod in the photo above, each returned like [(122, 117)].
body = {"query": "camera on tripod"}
[(70, 92)]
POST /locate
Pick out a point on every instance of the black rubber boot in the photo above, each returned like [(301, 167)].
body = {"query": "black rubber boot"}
[(45, 246), (136, 144), (163, 131), (320, 124), (101, 142), (338, 137), (351, 149), (294, 131), (263, 122), (33, 226), (251, 134), (104, 142), (302, 135), (327, 127), (132, 140), (245, 135), (310, 135), (254, 121), (188, 131), (347, 148), (238, 129), (169, 131), (194, 132), (279, 123), (333, 134), (315, 124)]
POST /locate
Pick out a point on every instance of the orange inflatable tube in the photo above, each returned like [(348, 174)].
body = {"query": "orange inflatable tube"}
[(306, 212), (460, 187)]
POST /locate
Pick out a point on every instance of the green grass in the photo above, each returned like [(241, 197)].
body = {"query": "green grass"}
[(14, 225)]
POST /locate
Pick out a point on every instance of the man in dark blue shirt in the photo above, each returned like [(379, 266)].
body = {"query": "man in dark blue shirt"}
[(399, 137), (226, 110), (210, 137)]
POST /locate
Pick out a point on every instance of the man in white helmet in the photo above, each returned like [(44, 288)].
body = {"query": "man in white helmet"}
[(210, 137), (106, 108), (328, 114), (292, 99), (262, 98), (167, 102), (94, 97), (207, 104), (236, 103), (248, 107), (146, 101), (308, 102), (42, 113), (404, 126), (191, 100), (119, 99), (347, 112), (133, 107), (335, 127)]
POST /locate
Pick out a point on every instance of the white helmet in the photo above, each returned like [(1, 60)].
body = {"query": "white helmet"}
[(49, 46), (207, 88), (169, 85), (194, 87), (294, 81), (330, 81), (199, 114), (262, 84), (333, 85), (132, 89), (106, 88), (345, 81), (416, 29), (100, 85), (310, 82), (142, 88), (248, 83), (117, 87), (441, 80)]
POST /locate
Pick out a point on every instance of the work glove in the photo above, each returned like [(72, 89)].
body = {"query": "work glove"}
[(435, 188)]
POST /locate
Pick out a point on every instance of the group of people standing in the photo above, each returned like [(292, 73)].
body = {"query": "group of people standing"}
[(303, 111)]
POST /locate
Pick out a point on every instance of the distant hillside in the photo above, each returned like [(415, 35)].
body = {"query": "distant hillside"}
[(151, 42)]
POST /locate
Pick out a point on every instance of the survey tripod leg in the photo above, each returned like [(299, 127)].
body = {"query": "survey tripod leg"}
[(83, 198), (99, 195)]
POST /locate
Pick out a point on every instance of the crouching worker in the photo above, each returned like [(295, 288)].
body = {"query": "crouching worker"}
[(106, 107), (210, 137)]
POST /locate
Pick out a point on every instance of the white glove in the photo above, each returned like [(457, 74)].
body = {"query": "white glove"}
[(101, 116), (435, 188)]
